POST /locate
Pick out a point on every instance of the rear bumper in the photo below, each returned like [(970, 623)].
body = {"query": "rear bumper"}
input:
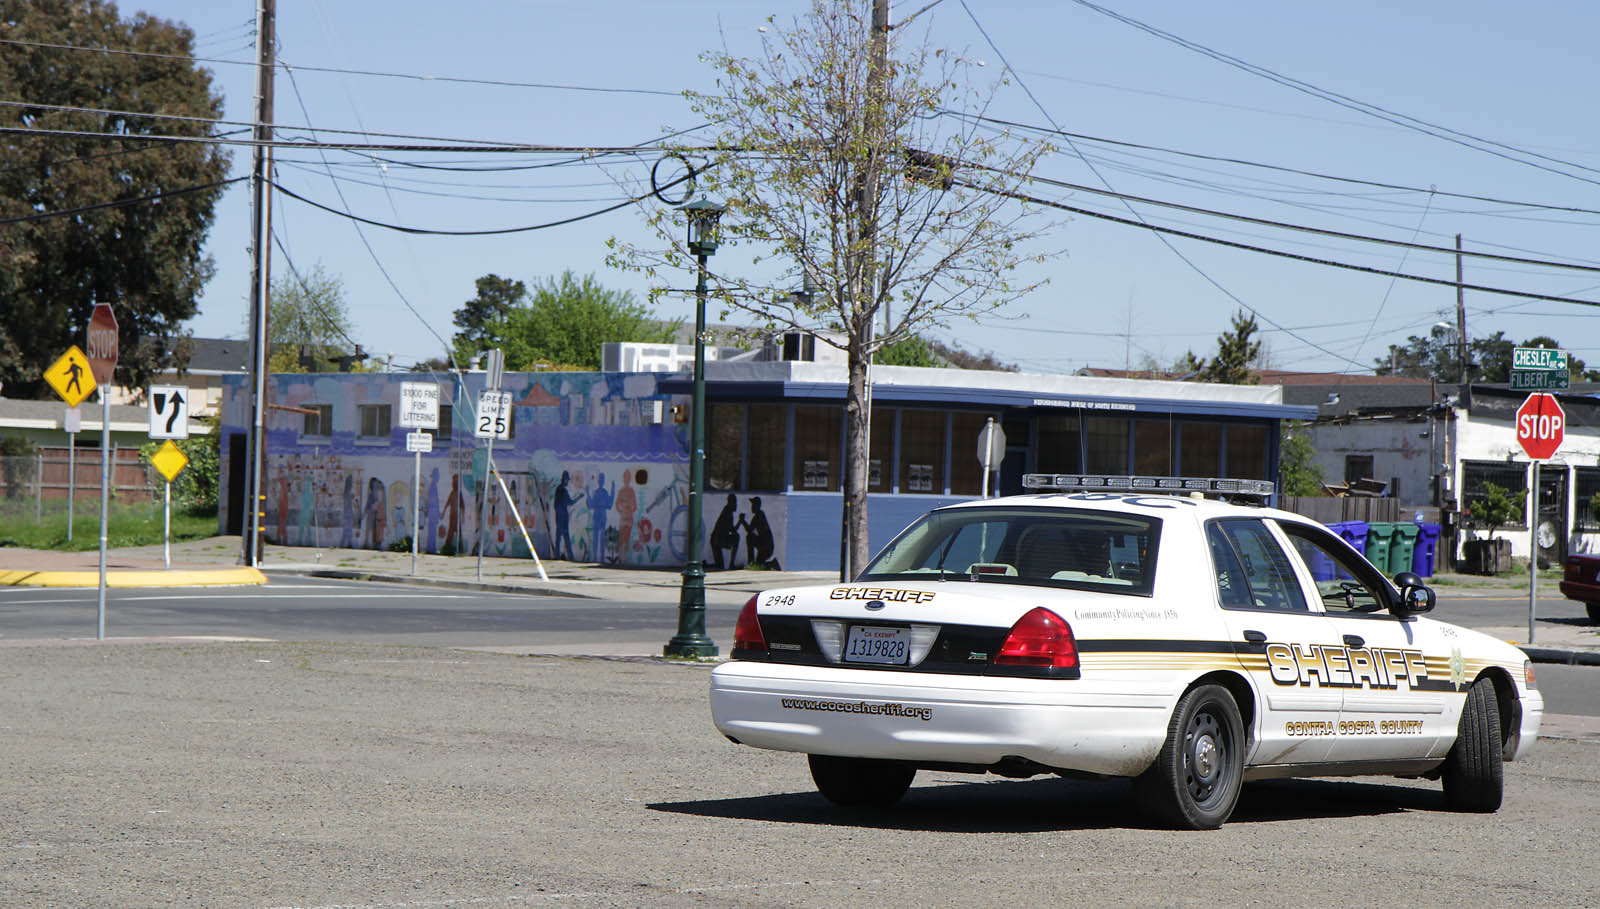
[(1067, 725), (1582, 591)]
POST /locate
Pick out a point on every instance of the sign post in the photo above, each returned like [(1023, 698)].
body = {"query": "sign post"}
[(1541, 427), (991, 450), (493, 422), (102, 361), (419, 410), (72, 379)]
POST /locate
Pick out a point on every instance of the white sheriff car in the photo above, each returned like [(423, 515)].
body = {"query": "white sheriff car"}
[(1112, 629)]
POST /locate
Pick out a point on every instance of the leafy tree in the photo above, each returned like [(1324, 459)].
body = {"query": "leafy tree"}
[(308, 325), (1236, 355), (496, 296), (139, 210), (564, 321), (838, 161), (1488, 358), (910, 351), (1496, 507), (195, 489), (1299, 474), (962, 359)]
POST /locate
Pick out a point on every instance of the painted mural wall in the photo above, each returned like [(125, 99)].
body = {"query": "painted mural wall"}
[(597, 469)]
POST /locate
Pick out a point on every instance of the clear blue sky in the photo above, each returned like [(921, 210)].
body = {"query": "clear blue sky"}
[(1495, 71)]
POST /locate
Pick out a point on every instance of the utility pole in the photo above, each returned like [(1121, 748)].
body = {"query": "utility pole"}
[(1461, 317), (260, 271)]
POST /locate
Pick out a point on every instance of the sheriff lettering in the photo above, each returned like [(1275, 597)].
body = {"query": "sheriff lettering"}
[(888, 595), (1335, 666)]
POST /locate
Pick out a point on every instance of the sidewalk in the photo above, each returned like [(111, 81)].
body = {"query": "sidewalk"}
[(215, 562)]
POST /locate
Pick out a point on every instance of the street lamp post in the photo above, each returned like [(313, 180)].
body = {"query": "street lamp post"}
[(691, 639)]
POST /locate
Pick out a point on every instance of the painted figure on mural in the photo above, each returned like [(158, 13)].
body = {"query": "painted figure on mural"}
[(433, 512), (452, 508), (308, 508), (758, 539), (564, 500), (627, 504), (599, 505), (347, 533), (375, 518), (283, 507), (724, 535)]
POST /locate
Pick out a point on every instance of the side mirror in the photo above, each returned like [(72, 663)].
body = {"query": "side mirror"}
[(1415, 596)]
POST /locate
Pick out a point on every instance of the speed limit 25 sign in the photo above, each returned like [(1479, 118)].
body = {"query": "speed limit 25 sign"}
[(494, 415)]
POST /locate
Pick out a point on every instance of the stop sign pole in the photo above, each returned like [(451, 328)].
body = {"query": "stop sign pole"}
[(103, 350), (1541, 427)]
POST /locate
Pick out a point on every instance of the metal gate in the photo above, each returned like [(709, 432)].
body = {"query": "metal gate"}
[(1551, 523)]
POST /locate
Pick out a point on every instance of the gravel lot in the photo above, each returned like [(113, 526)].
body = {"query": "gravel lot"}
[(226, 774)]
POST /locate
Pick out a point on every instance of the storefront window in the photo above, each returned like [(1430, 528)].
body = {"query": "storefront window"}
[(725, 446), (966, 473), (817, 448), (1060, 444), (880, 460), (1200, 449), (767, 433), (922, 451), (1247, 451), (1108, 445), (1152, 447)]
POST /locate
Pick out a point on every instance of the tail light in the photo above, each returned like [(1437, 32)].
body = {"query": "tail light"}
[(1574, 570), (747, 633), (1040, 638)]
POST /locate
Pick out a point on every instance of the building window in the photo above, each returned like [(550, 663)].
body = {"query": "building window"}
[(1513, 478), (1247, 451), (1060, 444), (1357, 467), (1200, 449), (766, 458), (1585, 515), (1152, 448), (817, 448), (319, 424), (966, 472), (441, 434), (374, 422), (1107, 445), (725, 446), (880, 455), (922, 451)]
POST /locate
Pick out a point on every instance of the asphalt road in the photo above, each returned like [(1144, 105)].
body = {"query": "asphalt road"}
[(337, 774)]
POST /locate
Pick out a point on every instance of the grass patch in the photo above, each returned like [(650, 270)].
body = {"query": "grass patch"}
[(131, 525)]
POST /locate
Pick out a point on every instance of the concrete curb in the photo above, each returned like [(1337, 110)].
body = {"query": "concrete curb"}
[(205, 577), (1565, 657), (352, 574)]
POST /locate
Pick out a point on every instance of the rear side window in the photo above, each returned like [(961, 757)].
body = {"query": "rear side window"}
[(1252, 570)]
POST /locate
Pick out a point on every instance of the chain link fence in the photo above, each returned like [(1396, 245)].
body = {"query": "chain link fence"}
[(38, 488)]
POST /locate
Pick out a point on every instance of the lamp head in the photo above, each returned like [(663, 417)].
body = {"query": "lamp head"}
[(703, 217)]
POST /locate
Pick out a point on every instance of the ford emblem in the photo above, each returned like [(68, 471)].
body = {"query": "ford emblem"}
[(875, 605)]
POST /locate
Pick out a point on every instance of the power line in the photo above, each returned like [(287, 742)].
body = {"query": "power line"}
[(155, 197)]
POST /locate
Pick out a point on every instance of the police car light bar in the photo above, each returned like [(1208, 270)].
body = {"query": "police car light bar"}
[(1220, 486)]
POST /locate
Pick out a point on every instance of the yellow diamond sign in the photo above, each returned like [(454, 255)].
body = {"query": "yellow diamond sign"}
[(70, 376), (169, 459)]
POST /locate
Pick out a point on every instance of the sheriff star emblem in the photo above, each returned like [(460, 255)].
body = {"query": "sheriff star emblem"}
[(1458, 668)]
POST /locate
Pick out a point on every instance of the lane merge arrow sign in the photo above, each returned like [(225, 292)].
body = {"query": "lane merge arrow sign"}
[(169, 412)]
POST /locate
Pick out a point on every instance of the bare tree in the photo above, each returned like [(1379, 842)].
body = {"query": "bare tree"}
[(848, 170)]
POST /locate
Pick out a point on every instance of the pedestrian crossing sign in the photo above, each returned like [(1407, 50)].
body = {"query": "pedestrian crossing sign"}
[(70, 376)]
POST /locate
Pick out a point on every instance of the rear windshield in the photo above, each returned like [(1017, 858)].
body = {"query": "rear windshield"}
[(1048, 547)]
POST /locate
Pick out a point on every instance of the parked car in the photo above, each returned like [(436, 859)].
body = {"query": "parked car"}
[(1580, 580), (1088, 630)]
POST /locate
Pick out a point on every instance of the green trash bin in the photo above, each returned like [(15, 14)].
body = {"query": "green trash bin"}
[(1379, 535), (1402, 546)]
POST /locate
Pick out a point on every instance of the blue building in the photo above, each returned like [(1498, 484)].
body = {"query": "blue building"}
[(598, 469)]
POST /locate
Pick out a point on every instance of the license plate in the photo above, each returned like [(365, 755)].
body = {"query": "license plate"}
[(876, 644)]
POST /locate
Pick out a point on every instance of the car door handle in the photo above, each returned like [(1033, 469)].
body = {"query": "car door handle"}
[(1354, 640), (1255, 637)]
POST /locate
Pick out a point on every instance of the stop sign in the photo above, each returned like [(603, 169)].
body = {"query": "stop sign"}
[(1541, 425), (102, 343)]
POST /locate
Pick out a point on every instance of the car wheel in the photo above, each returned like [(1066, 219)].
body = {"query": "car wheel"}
[(1594, 612), (1196, 778), (1474, 775), (860, 782)]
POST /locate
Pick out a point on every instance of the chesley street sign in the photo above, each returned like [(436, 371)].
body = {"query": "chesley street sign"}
[(1539, 358)]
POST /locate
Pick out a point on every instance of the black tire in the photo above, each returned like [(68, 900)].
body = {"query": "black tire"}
[(1474, 771), (1195, 781), (1594, 612), (860, 782)]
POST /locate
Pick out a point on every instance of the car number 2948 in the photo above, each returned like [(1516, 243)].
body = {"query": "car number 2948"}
[(873, 644)]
